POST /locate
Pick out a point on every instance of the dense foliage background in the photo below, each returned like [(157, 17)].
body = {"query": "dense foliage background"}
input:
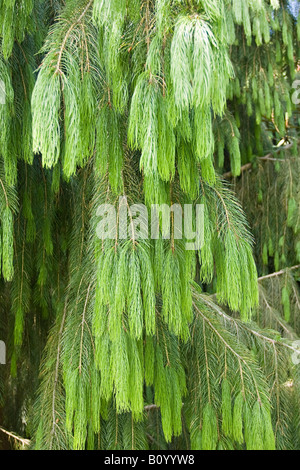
[(140, 344)]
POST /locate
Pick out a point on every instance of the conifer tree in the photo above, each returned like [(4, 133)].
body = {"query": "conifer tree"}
[(130, 343)]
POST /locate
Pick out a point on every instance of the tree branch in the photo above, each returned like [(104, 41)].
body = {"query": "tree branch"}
[(279, 273), (24, 442), (268, 157)]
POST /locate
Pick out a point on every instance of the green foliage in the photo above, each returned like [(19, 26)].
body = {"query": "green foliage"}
[(279, 229)]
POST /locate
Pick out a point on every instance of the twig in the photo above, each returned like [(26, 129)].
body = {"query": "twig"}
[(220, 312), (268, 157), (25, 442), (279, 273)]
